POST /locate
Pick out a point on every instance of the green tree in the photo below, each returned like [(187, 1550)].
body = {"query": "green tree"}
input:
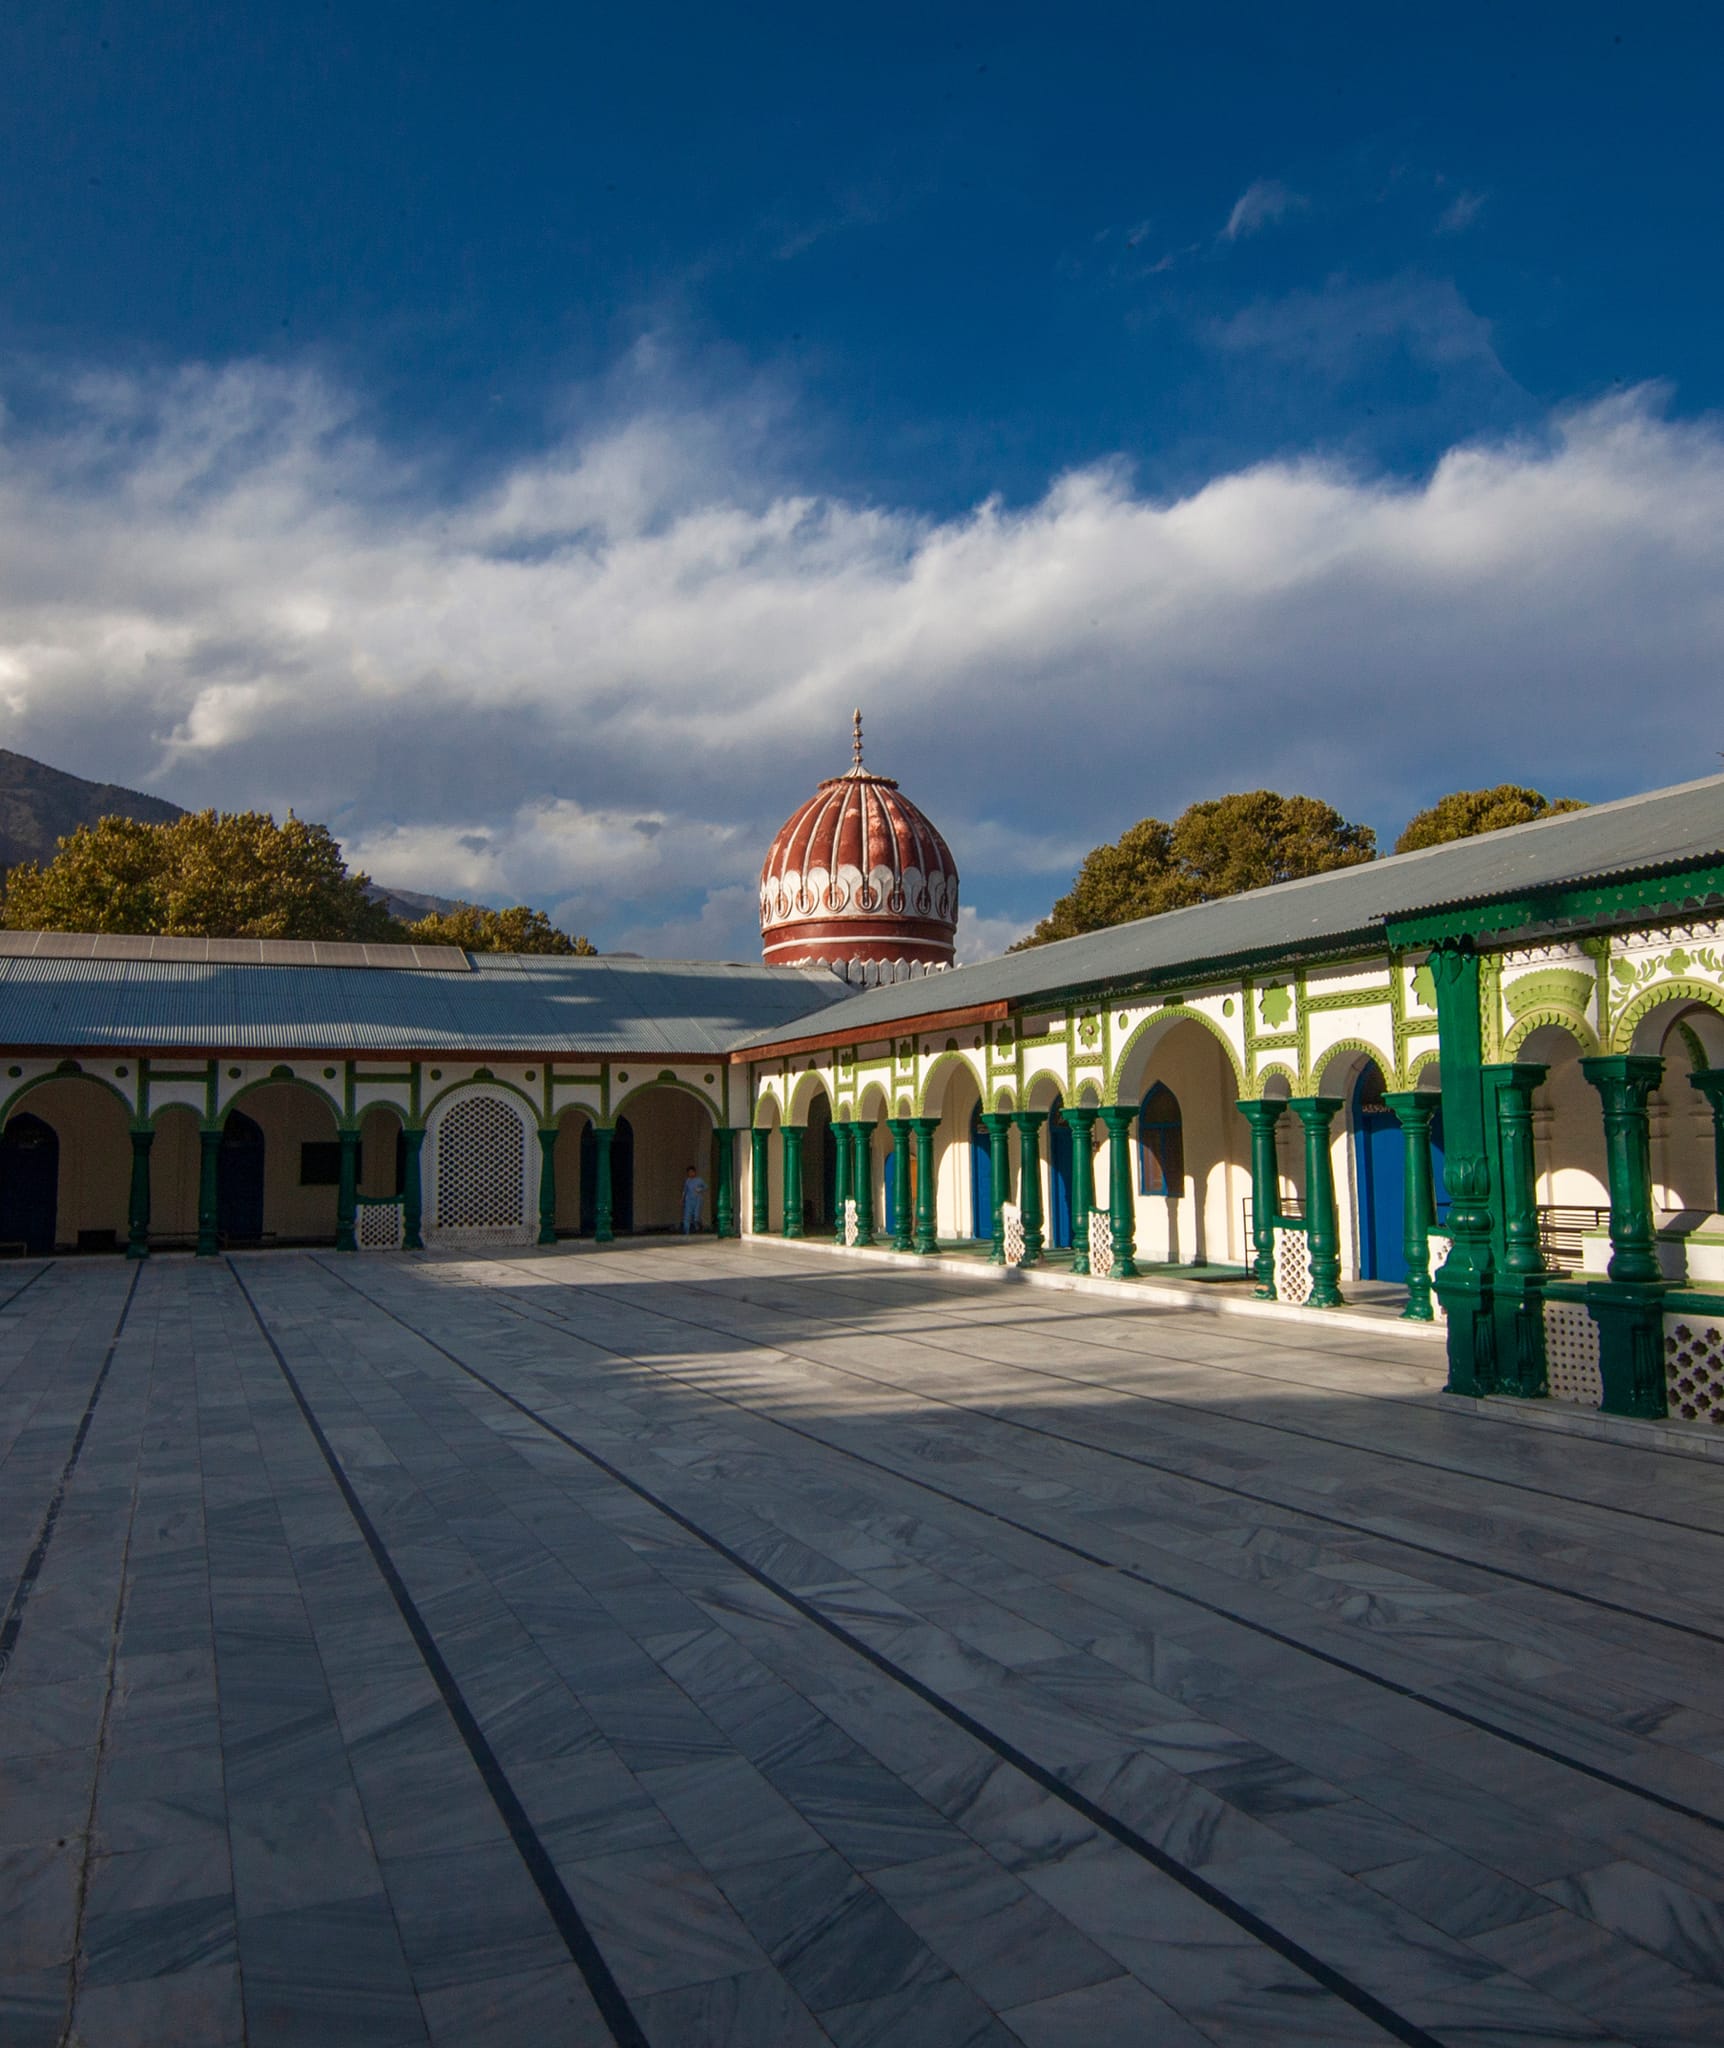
[(1216, 848), (1464, 813), (478, 930), (209, 874)]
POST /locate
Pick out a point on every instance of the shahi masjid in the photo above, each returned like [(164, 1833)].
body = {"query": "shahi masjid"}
[(1481, 1084)]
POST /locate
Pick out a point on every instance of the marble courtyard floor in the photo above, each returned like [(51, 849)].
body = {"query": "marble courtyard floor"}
[(699, 1644)]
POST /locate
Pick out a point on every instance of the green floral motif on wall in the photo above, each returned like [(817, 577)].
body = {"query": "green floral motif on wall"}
[(1277, 1005), (1629, 974), (1089, 1030), (1424, 987)]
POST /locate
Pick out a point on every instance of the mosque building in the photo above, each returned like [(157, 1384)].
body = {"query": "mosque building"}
[(1483, 1082)]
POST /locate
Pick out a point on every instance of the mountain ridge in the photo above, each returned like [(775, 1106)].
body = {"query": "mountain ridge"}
[(40, 804)]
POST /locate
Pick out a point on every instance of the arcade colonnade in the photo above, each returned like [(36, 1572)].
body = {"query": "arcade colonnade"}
[(107, 1154), (1529, 1141)]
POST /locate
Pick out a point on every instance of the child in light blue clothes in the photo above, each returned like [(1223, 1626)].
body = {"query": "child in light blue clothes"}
[(693, 1196)]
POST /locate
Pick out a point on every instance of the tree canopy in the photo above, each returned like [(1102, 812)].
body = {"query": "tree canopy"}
[(240, 875), (478, 930), (209, 874), (1216, 848), (1465, 812)]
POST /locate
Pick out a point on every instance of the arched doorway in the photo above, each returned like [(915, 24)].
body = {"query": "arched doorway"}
[(1059, 1224), (1380, 1156), (622, 1177), (29, 1184), (819, 1168), (574, 1217), (239, 1180), (981, 1177)]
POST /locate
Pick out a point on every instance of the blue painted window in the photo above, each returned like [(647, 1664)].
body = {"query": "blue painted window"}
[(1160, 1144)]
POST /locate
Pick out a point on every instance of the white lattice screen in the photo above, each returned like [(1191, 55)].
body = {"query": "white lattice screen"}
[(1100, 1243), (1014, 1222), (1571, 1354), (379, 1226), (851, 1227), (481, 1171), (1694, 1368), (1292, 1266)]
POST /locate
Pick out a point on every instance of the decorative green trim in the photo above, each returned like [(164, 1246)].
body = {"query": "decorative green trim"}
[(28, 1087), (1656, 893), (668, 1080), (1577, 1028), (461, 1087)]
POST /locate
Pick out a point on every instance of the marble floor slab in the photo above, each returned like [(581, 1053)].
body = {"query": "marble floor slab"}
[(698, 1644)]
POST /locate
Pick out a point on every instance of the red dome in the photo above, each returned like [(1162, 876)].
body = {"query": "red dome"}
[(859, 876)]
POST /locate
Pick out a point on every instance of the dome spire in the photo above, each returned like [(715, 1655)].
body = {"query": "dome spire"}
[(856, 740)]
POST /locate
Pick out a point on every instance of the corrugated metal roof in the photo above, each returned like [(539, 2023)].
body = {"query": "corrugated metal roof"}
[(539, 1004), (1663, 827), (243, 952)]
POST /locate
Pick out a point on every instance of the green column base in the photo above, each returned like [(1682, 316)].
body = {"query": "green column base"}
[(1518, 1301), (1464, 1288), (1630, 1319)]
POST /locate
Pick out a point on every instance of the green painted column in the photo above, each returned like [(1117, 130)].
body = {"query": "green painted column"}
[(413, 1193), (760, 1180), (1082, 1121), (1628, 1307), (1029, 1123), (843, 1161), (1415, 1109), (347, 1192), (604, 1137), (791, 1137), (1322, 1225), (1519, 1292), (998, 1124), (724, 1195), (926, 1238), (862, 1173), (209, 1193), (902, 1129), (1710, 1082), (548, 1186), (1263, 1115), (138, 1207), (1121, 1188), (1624, 1081), (1467, 1277)]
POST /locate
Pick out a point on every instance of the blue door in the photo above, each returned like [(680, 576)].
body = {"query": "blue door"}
[(1059, 1177), (891, 1200), (239, 1180), (1382, 1163), (981, 1177), (29, 1184)]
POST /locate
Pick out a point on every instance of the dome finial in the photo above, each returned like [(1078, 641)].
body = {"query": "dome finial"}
[(856, 741)]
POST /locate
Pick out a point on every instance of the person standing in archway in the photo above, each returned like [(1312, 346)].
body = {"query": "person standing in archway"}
[(693, 1199)]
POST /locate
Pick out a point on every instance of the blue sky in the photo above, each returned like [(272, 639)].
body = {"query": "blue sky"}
[(518, 433)]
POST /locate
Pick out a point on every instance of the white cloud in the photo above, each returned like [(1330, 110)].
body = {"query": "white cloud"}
[(1263, 202), (986, 938), (600, 681), (1460, 213), (1343, 326)]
